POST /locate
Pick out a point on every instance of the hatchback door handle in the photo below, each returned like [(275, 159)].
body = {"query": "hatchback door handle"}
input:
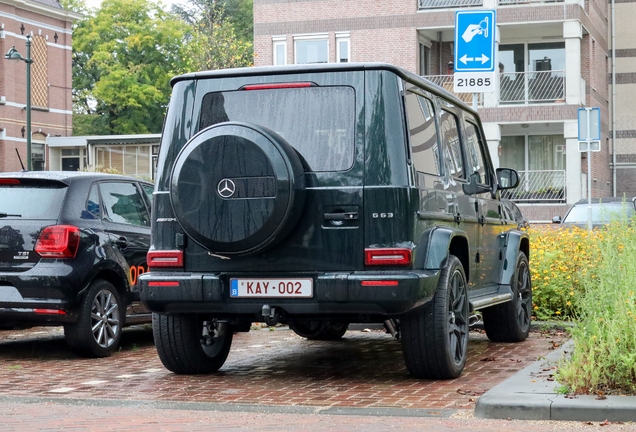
[(121, 242), (341, 216)]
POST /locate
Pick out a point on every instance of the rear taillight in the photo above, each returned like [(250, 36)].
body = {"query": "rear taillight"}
[(373, 257), (172, 258), (50, 311), (60, 241), (9, 181)]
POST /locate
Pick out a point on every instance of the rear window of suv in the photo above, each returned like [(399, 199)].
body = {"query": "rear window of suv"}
[(32, 202), (317, 121)]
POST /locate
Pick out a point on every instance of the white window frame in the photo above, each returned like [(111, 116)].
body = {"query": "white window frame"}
[(276, 42), (304, 37), (343, 37)]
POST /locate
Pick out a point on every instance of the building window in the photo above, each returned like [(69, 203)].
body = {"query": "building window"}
[(131, 160), (533, 152), (37, 157), (39, 81), (310, 51), (344, 50), (425, 60), (280, 53)]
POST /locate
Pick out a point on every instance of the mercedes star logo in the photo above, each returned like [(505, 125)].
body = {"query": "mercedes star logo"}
[(226, 188)]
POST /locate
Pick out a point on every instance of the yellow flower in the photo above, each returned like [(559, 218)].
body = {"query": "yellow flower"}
[(571, 293), (558, 312), (569, 304)]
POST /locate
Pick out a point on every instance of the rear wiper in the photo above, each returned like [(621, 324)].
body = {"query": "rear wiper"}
[(2, 215)]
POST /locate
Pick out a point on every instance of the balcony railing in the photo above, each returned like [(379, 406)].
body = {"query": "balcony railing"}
[(519, 2), (532, 87), (539, 186), (446, 82), (434, 4)]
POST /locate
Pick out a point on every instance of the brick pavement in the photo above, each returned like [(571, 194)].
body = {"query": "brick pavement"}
[(266, 368)]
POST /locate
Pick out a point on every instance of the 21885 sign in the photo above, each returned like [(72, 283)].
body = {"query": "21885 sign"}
[(474, 82)]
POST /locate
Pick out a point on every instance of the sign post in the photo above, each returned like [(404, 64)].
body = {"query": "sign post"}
[(589, 141), (475, 52)]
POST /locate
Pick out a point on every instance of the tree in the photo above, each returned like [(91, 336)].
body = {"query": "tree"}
[(216, 43), (124, 55)]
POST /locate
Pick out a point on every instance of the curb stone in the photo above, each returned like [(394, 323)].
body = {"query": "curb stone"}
[(241, 408), (528, 395)]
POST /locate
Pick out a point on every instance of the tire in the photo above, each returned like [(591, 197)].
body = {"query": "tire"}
[(97, 331), (435, 337), (319, 330), (510, 321), (232, 207), (183, 348)]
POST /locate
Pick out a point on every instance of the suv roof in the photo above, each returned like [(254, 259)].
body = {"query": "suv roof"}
[(64, 176), (604, 200), (327, 67)]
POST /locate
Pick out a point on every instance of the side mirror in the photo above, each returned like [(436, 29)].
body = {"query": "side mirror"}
[(556, 220), (507, 178)]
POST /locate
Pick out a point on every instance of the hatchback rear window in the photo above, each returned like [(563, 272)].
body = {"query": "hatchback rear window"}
[(317, 121), (32, 202)]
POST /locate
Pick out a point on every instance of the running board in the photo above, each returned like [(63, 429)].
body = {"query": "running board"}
[(504, 295)]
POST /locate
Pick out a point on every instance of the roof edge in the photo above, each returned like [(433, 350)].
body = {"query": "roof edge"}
[(328, 67)]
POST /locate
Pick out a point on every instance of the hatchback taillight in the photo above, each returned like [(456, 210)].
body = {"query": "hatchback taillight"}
[(60, 241), (391, 256), (172, 258)]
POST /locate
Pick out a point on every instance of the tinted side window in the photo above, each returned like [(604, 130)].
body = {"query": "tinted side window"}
[(423, 134), (123, 203), (148, 190), (476, 159), (92, 204), (452, 152)]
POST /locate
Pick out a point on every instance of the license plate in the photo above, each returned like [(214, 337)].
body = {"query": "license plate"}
[(271, 287)]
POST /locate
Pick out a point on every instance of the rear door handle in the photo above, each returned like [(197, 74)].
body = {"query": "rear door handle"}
[(341, 216), (122, 242)]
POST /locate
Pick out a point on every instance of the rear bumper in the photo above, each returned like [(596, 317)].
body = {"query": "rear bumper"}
[(333, 294), (50, 285)]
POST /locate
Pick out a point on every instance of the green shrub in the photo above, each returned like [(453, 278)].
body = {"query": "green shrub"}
[(604, 358)]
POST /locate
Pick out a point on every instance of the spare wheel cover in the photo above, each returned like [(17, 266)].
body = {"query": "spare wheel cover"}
[(237, 188)]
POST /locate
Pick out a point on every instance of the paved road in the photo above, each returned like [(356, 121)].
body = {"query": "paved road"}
[(271, 381)]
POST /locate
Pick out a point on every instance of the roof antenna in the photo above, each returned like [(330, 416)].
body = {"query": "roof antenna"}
[(20, 159)]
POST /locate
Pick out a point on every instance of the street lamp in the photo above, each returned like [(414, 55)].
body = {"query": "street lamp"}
[(13, 54)]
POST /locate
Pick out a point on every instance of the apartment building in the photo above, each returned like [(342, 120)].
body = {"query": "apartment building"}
[(553, 58), (51, 79)]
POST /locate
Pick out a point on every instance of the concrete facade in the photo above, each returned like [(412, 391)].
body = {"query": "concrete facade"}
[(51, 76), (560, 51), (625, 11)]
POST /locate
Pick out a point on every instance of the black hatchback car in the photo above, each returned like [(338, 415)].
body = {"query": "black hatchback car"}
[(320, 195), (72, 246)]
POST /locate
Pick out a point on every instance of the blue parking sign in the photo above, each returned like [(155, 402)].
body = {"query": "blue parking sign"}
[(475, 41)]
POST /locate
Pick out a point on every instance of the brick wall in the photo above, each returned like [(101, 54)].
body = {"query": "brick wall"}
[(58, 119)]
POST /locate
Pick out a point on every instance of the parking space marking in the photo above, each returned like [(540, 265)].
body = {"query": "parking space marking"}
[(62, 390), (96, 382), (125, 376)]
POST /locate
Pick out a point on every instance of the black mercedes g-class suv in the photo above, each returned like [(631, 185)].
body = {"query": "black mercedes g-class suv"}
[(327, 194)]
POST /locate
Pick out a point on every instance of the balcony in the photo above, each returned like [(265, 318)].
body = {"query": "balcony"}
[(532, 87), (438, 4), (446, 82), (548, 186)]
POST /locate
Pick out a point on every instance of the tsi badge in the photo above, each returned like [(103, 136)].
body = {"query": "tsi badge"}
[(226, 188)]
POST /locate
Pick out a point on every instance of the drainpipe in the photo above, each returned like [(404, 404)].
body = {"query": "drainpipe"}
[(439, 41), (613, 99)]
